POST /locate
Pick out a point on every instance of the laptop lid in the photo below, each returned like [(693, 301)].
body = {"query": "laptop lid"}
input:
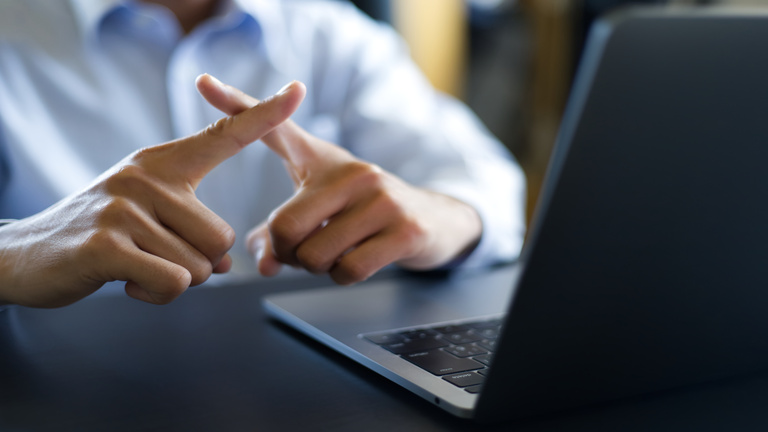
[(643, 270), (646, 268)]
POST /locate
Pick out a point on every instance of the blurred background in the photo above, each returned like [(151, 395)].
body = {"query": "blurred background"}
[(511, 61)]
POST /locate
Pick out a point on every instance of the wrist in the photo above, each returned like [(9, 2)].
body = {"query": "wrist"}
[(455, 230), (472, 227)]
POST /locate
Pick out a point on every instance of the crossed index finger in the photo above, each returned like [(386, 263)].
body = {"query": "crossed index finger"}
[(199, 154), (288, 140)]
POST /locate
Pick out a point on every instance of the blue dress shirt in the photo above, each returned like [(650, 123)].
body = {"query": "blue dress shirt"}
[(83, 83)]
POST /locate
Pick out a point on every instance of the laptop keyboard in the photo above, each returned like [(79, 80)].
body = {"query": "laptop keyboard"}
[(460, 354)]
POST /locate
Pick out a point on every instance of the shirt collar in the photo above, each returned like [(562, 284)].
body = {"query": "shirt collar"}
[(89, 13), (266, 14), (270, 20)]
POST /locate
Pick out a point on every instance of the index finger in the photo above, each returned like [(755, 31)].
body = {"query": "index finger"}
[(288, 140), (199, 154)]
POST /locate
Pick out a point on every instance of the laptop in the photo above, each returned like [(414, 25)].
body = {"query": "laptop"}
[(646, 267)]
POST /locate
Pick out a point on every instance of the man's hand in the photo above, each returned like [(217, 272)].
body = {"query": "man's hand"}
[(348, 217), (139, 222)]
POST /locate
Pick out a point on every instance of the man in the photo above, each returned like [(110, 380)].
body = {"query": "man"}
[(83, 83)]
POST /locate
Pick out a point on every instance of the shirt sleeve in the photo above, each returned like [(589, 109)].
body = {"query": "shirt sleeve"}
[(4, 171), (392, 116)]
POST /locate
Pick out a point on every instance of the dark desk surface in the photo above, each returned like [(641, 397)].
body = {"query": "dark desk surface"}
[(212, 361)]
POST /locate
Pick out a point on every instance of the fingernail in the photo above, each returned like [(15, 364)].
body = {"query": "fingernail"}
[(285, 88), (257, 246), (213, 79)]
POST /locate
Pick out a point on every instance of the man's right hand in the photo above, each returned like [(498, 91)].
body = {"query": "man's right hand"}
[(139, 222)]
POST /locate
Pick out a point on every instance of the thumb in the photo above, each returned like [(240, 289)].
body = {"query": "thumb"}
[(260, 246), (288, 140)]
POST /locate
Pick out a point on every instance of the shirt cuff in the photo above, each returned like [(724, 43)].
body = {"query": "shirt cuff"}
[(503, 230)]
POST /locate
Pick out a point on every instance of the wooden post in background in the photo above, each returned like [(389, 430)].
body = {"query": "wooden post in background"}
[(436, 32), (552, 23)]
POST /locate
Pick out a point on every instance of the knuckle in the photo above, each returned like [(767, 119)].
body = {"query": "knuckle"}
[(119, 213), (227, 238), (129, 179), (101, 243), (284, 228), (181, 282), (312, 259), (221, 130), (387, 202), (200, 271), (348, 272), (143, 154), (148, 157), (367, 175), (175, 286), (218, 128), (411, 234), (221, 241)]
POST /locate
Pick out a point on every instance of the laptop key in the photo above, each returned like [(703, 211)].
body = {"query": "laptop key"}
[(488, 333), (466, 350), (419, 334), (439, 362), (490, 345), (484, 359), (452, 328), (465, 379), (462, 337), (415, 345), (474, 389)]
